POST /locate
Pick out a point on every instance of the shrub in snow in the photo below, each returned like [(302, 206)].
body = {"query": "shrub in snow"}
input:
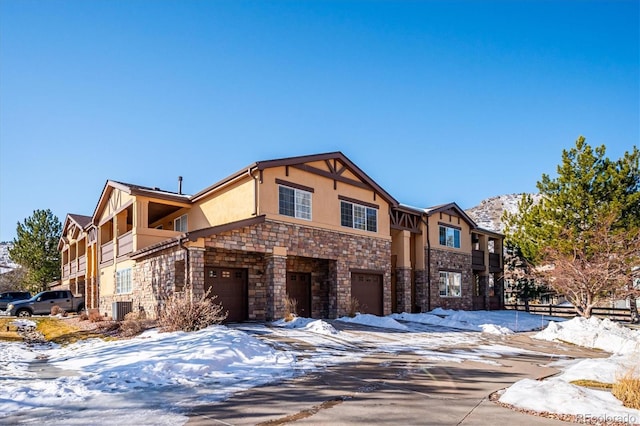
[(290, 308), (135, 316), (94, 316), (182, 313), (354, 307), (57, 310), (627, 389)]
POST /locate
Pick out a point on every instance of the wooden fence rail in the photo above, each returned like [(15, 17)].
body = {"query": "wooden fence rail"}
[(616, 314)]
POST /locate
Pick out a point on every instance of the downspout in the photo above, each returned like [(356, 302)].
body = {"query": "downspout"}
[(426, 222), (255, 192)]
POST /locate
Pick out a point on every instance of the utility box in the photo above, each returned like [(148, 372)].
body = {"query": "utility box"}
[(120, 309)]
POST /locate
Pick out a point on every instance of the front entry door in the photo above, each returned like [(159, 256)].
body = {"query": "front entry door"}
[(299, 288)]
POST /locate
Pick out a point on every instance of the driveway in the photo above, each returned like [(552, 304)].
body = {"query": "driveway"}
[(448, 382)]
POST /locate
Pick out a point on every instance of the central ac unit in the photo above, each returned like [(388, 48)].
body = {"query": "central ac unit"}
[(120, 309)]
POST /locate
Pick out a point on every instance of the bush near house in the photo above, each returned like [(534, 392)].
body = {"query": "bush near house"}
[(181, 313)]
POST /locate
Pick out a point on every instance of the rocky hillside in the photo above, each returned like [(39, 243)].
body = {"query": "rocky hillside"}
[(6, 264), (488, 213)]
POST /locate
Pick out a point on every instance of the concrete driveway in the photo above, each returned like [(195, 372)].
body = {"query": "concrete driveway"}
[(398, 388)]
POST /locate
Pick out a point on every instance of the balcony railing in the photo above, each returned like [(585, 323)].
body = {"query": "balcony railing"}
[(74, 266), (125, 243), (477, 259), (82, 263), (65, 270), (106, 252), (495, 264)]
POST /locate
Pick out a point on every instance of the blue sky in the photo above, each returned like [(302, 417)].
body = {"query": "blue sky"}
[(437, 101)]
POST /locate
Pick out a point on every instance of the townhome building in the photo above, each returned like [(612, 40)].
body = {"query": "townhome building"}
[(313, 228)]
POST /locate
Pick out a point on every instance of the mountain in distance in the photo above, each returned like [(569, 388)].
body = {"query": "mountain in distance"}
[(489, 212), (6, 265)]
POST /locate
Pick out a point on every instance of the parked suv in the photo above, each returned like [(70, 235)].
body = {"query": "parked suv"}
[(10, 296)]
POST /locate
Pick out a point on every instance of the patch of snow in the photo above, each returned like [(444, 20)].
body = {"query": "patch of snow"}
[(374, 321)]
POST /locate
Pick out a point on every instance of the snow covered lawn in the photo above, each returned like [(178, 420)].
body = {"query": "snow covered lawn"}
[(158, 377), (558, 395)]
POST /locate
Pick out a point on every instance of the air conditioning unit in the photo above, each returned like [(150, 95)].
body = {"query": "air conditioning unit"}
[(120, 309)]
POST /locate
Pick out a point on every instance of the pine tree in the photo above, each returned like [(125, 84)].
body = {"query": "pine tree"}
[(35, 248), (589, 190), (520, 277)]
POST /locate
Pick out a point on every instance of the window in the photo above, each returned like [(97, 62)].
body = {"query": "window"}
[(450, 284), (180, 224), (359, 217), (449, 237), (123, 281), (294, 202)]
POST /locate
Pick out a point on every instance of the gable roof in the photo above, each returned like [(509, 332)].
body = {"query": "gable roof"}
[(132, 189), (301, 163), (81, 221), (442, 208)]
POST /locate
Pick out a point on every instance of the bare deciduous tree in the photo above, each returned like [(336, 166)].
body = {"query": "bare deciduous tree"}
[(599, 266)]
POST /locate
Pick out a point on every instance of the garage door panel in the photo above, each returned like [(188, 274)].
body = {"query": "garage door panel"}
[(230, 287), (368, 290)]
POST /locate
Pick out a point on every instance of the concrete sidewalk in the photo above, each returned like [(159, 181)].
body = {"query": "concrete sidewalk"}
[(395, 389)]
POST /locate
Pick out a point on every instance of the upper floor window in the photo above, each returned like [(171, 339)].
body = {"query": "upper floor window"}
[(450, 284), (123, 281), (357, 216), (294, 202), (180, 224), (449, 237)]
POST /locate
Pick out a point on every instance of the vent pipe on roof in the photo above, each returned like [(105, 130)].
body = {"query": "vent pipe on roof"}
[(180, 185)]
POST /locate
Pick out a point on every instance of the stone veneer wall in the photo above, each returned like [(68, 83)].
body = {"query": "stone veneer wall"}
[(328, 255), (443, 260), (345, 252), (422, 292), (153, 279), (403, 289)]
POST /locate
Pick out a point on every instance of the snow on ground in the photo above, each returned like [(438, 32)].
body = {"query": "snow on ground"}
[(494, 322), (160, 376), (558, 395)]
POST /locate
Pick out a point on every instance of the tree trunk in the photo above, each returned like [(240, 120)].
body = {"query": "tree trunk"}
[(587, 311)]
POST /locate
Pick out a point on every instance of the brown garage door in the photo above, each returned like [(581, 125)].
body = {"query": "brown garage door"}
[(299, 288), (230, 285), (367, 288)]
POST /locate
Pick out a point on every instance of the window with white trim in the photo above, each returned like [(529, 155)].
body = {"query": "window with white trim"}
[(449, 237), (450, 284), (294, 202), (180, 223), (123, 281), (358, 217)]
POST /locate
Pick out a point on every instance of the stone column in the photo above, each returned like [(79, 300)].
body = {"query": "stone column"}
[(342, 288), (421, 290), (276, 282), (195, 272), (332, 286), (403, 289)]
